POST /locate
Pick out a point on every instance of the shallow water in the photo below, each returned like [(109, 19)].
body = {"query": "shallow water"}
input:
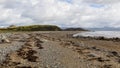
[(107, 34)]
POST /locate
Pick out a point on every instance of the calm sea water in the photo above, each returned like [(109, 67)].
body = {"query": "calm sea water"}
[(107, 34)]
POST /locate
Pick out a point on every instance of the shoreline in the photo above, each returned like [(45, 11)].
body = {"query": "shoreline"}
[(61, 44)]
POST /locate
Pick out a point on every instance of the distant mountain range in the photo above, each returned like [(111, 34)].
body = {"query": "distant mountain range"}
[(91, 29), (104, 29), (73, 29)]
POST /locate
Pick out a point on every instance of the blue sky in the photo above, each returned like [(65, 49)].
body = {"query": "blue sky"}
[(64, 13), (69, 1), (97, 5)]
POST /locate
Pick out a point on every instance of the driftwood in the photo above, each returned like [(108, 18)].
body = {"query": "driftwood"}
[(4, 39)]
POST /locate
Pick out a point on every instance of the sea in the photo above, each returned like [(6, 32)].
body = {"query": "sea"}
[(106, 34)]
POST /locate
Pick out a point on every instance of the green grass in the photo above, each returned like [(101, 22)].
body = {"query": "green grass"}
[(32, 28)]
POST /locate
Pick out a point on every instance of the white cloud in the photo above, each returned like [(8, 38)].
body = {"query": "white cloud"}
[(78, 13)]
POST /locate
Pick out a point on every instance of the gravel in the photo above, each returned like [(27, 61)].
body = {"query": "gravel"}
[(6, 48), (55, 56)]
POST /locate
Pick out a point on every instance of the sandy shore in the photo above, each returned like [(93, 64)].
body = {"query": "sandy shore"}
[(58, 49)]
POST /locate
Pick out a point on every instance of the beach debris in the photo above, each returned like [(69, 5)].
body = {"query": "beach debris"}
[(65, 44), (27, 53), (11, 60), (107, 66), (39, 46), (32, 58), (25, 67), (118, 61), (95, 48), (76, 44), (38, 43), (112, 54), (99, 59), (79, 50), (4, 39), (92, 55)]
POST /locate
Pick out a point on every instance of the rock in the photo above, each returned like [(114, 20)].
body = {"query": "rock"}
[(39, 46), (47, 66), (26, 54), (113, 53), (32, 58), (24, 67), (93, 48), (118, 60), (107, 66), (100, 59), (79, 50), (92, 55), (76, 44)]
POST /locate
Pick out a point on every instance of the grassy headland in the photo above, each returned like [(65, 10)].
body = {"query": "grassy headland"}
[(38, 28), (32, 28)]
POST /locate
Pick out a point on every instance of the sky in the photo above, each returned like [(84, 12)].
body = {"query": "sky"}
[(63, 13)]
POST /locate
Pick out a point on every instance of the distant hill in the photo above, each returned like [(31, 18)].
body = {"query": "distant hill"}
[(104, 29), (32, 28), (74, 29)]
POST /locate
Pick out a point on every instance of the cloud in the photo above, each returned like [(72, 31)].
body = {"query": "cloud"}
[(65, 13)]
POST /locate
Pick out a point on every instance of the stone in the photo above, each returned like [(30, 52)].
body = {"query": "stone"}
[(92, 55), (107, 66), (100, 59), (113, 53)]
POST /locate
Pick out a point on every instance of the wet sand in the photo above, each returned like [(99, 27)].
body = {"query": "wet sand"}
[(58, 49)]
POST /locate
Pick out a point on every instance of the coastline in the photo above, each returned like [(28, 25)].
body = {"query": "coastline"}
[(63, 48)]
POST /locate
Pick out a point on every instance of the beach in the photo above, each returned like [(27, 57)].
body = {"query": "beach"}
[(57, 49)]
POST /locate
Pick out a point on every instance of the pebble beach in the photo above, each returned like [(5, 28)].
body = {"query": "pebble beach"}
[(57, 49)]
